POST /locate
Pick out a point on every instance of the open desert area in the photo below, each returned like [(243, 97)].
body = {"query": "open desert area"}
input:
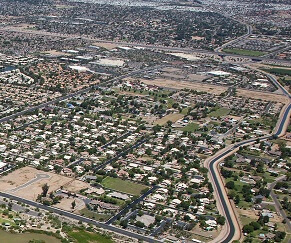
[(27, 182)]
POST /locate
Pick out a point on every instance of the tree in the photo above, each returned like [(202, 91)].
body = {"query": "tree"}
[(256, 225), (263, 220), (230, 185), (237, 199), (248, 229), (124, 223), (139, 224), (169, 123), (45, 189), (73, 204), (279, 236), (220, 220)]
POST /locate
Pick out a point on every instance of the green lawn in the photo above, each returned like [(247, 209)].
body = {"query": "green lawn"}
[(11, 222), (268, 177), (219, 112), (245, 219), (287, 239), (184, 111), (266, 121), (97, 216), (191, 127), (123, 185), (238, 187), (280, 71), (244, 52), (270, 207), (87, 237)]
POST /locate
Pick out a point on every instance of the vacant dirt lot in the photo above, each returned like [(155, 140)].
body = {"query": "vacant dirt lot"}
[(66, 204), (171, 117), (214, 89), (186, 85), (32, 190), (261, 95), (105, 45)]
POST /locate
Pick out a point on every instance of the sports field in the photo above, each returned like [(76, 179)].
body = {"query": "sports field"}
[(244, 52), (123, 185)]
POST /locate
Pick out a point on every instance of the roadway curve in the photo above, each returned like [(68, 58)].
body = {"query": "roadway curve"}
[(249, 32), (232, 229)]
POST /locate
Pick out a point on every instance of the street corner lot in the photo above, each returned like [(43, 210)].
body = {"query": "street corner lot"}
[(66, 204), (22, 183)]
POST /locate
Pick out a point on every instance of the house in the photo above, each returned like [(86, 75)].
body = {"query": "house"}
[(118, 195), (176, 202), (103, 205), (211, 222), (267, 213)]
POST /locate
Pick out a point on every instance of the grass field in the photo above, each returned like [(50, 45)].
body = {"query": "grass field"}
[(280, 71), (219, 112), (266, 121), (268, 177), (89, 214), (3, 220), (244, 52), (238, 188), (191, 127), (270, 207), (171, 117), (184, 111), (245, 219), (87, 237), (123, 185)]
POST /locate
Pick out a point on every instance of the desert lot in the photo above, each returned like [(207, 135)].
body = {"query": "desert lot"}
[(215, 89), (22, 182)]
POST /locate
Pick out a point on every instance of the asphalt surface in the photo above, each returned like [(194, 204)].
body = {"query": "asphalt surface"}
[(80, 218), (82, 91), (278, 205), (136, 145), (212, 163), (218, 186), (138, 200), (37, 178)]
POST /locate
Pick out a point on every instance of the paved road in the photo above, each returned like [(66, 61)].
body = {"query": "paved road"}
[(21, 209), (231, 221), (78, 161), (157, 47), (249, 32), (278, 205), (80, 218), (129, 206), (82, 91), (116, 139), (136, 145), (37, 178)]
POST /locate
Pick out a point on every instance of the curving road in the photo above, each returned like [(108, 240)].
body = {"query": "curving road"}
[(233, 231), (37, 178), (249, 32)]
